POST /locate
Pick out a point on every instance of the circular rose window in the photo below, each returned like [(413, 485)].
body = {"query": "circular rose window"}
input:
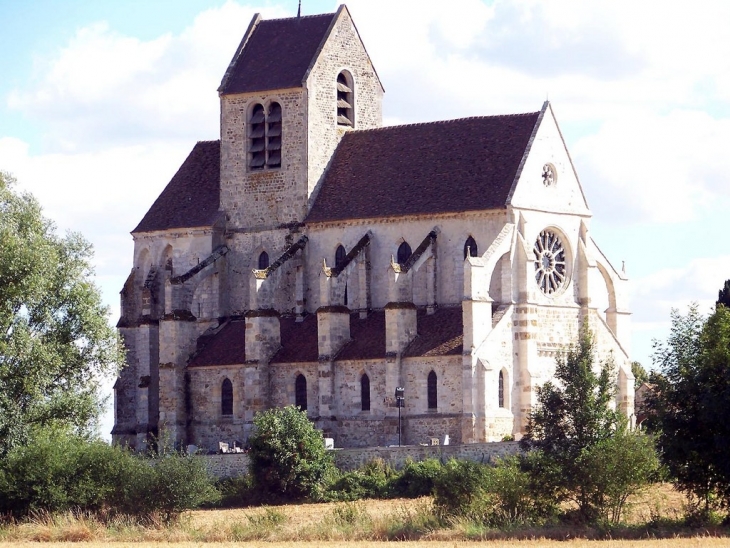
[(550, 269)]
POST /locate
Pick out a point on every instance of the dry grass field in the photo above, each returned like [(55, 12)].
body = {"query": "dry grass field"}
[(360, 524)]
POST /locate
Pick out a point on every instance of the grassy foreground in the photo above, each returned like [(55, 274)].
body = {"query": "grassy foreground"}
[(653, 522)]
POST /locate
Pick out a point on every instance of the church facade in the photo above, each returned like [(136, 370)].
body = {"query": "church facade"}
[(313, 257)]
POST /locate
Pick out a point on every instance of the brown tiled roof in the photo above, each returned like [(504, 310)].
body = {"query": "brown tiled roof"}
[(192, 197), (298, 341), (368, 338), (277, 55), (438, 167), (439, 334), (227, 347)]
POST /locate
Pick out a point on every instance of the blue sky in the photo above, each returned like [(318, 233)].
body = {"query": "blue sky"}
[(101, 101)]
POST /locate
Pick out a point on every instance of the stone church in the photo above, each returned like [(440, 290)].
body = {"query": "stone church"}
[(313, 257)]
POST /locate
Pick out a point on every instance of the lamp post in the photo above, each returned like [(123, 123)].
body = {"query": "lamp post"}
[(399, 400)]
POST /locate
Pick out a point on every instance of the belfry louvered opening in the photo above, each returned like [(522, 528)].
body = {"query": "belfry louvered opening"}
[(264, 136), (345, 100), (273, 136)]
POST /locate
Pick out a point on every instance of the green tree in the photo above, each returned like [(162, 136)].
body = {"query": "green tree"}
[(640, 374), (577, 435), (691, 406), (287, 457), (55, 343), (723, 296)]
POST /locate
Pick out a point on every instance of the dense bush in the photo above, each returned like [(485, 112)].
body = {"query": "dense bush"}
[(288, 460), (417, 479), (61, 471), (495, 496), (373, 480)]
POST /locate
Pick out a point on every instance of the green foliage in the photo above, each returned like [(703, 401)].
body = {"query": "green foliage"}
[(288, 460), (170, 483), (584, 452), (417, 479), (373, 480), (691, 407), (620, 467), (61, 471), (497, 496), (723, 296), (55, 343), (640, 374)]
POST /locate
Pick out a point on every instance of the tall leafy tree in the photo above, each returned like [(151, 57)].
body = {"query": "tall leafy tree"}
[(691, 406), (55, 342), (570, 422), (723, 296)]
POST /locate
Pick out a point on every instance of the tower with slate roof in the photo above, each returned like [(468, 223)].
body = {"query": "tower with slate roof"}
[(312, 257)]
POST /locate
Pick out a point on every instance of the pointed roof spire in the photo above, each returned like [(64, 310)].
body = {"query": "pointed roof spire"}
[(299, 10)]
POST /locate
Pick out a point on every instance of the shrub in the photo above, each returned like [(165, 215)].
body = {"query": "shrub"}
[(288, 460), (497, 496), (61, 471), (417, 479), (373, 480), (171, 483), (459, 490)]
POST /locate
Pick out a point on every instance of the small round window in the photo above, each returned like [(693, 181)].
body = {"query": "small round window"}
[(549, 175), (550, 267)]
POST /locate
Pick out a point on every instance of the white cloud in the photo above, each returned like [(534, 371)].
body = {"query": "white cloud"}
[(656, 168), (105, 89)]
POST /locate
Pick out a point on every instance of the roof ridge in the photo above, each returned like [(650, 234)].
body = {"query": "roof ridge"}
[(301, 17), (209, 141), (450, 121)]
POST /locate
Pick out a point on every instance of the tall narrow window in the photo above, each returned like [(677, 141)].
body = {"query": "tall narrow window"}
[(345, 100), (470, 247), (404, 252), (340, 256), (432, 391), (365, 392), (273, 136), (501, 388), (227, 397), (300, 392), (263, 260), (257, 138)]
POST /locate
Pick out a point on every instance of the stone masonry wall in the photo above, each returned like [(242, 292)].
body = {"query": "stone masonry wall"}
[(388, 234), (270, 196), (342, 51), (236, 464)]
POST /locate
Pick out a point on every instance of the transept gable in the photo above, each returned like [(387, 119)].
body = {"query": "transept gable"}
[(546, 179)]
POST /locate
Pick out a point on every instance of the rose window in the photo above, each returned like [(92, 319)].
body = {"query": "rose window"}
[(550, 270)]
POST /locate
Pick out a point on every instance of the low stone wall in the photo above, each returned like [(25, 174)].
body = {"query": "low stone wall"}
[(236, 464)]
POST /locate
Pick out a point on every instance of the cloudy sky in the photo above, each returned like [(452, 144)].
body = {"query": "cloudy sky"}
[(100, 102)]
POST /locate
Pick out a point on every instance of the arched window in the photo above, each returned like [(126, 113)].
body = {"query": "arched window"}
[(263, 260), (470, 247), (300, 392), (501, 388), (345, 100), (264, 137), (273, 136), (257, 138), (432, 391), (404, 252), (365, 392), (340, 256), (227, 397)]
